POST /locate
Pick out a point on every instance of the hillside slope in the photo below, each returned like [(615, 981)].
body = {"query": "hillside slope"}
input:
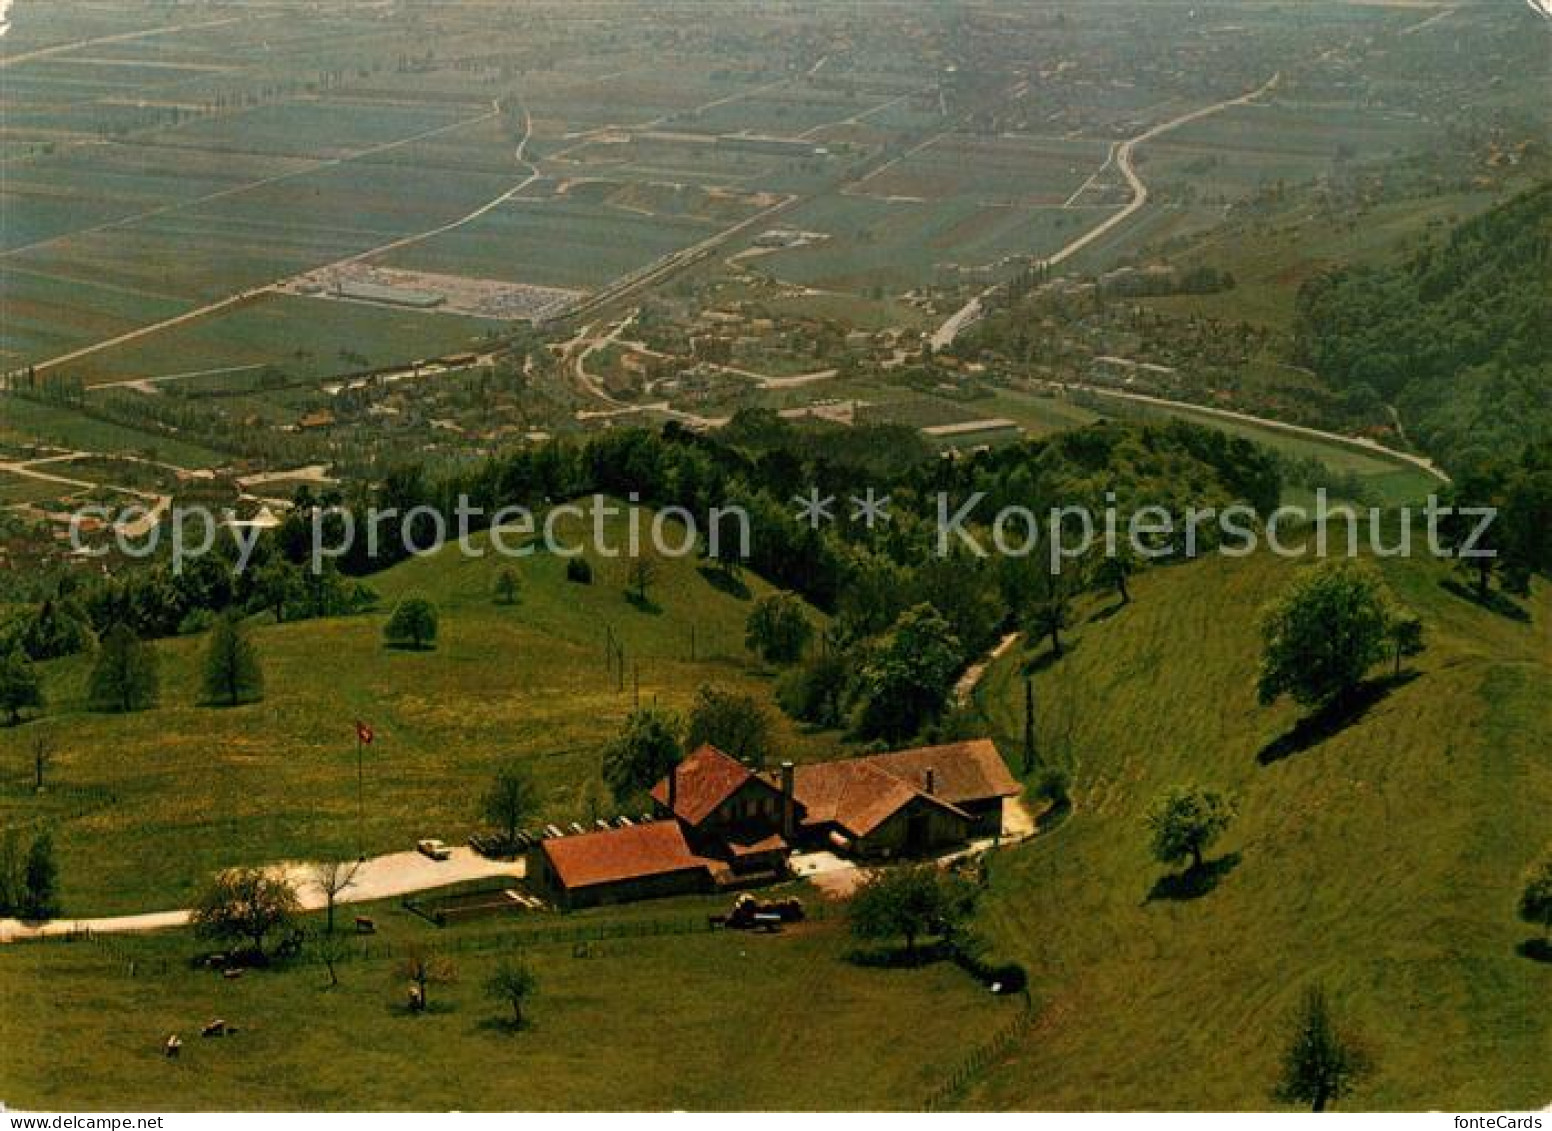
[(1456, 337), (1383, 862), (147, 805)]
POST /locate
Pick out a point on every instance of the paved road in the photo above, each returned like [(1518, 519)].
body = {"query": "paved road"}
[(1363, 443), (489, 206), (381, 877), (122, 37), (968, 314)]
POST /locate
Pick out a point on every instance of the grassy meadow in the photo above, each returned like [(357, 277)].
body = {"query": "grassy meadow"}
[(1383, 861), (635, 1024)]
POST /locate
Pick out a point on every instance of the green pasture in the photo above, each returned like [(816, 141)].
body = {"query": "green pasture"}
[(1382, 861), (189, 788)]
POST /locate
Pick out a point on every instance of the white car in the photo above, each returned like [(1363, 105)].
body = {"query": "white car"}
[(435, 849)]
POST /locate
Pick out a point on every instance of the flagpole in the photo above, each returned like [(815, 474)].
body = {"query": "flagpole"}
[(360, 840)]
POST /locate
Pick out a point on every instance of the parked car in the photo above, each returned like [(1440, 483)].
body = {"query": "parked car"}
[(435, 849)]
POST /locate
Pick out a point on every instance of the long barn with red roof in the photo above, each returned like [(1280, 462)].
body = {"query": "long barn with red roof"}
[(720, 823)]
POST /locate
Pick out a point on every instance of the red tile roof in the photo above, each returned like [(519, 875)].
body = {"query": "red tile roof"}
[(962, 772), (706, 778), (758, 846), (621, 854)]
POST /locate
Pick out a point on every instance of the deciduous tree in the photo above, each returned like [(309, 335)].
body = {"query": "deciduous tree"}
[(735, 723), (276, 587), (40, 880), (777, 629), (245, 905), (908, 675), (42, 758), (425, 968), (909, 902), (1114, 570), (1536, 899), (20, 687), (413, 624), (332, 878), (1186, 822), (646, 749), (1324, 633), (640, 576), (1405, 634), (513, 983), (507, 587), (510, 800), (1050, 612)]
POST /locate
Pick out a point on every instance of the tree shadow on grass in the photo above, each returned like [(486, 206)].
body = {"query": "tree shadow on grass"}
[(432, 1008), (1537, 950), (1049, 658), (1493, 600), (1193, 883), (1107, 612), (1332, 719), (728, 583), (503, 1025), (1053, 814), (644, 604), (224, 704), (897, 957)]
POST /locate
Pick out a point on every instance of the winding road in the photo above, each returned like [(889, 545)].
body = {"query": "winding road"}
[(970, 313), (1362, 443), (123, 37)]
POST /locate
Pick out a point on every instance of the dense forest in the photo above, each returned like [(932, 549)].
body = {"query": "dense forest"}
[(1458, 338)]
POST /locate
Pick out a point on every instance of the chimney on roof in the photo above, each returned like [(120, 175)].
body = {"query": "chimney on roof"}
[(932, 780), (788, 803), (673, 790)]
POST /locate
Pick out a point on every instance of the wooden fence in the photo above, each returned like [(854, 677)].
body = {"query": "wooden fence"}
[(975, 1064), (135, 962)]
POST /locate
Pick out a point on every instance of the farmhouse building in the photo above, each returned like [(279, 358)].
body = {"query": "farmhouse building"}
[(971, 776), (727, 811), (863, 810), (720, 824), (640, 862)]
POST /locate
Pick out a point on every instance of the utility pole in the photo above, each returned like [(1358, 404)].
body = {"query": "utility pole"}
[(1029, 724), (364, 737), (360, 802)]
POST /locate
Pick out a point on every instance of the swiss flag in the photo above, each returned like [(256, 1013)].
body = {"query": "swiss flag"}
[(363, 733)]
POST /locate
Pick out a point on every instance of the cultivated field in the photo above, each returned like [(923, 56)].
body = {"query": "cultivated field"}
[(317, 334)]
